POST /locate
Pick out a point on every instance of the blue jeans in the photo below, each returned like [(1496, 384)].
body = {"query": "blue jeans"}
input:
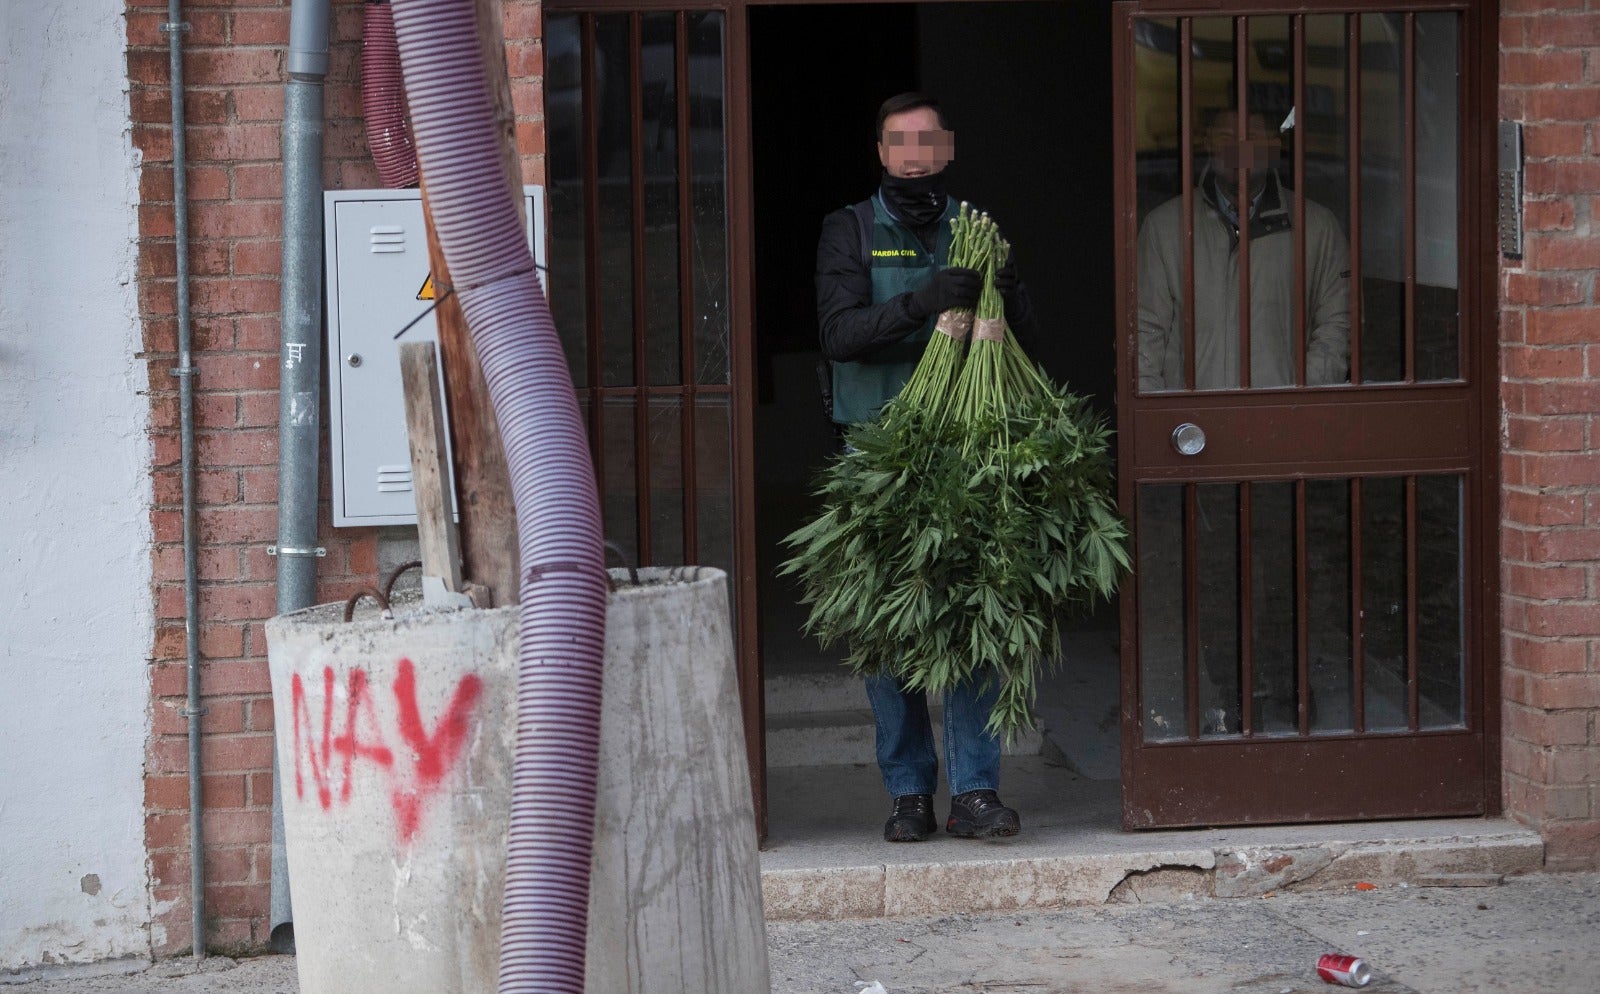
[(905, 738)]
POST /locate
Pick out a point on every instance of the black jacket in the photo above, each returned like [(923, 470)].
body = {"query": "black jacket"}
[(850, 325)]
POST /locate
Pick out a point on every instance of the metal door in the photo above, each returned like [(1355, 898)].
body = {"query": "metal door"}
[(645, 286), (1306, 411)]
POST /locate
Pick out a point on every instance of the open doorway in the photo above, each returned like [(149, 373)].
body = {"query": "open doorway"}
[(1027, 88)]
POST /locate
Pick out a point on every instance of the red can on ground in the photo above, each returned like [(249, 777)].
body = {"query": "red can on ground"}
[(1349, 971)]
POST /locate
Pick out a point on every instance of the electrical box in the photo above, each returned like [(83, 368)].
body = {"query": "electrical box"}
[(378, 283)]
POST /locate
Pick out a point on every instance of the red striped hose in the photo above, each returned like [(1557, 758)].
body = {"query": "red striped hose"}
[(383, 99), (564, 583)]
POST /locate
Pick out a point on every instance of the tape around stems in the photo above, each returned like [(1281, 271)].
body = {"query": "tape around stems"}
[(989, 330), (955, 324)]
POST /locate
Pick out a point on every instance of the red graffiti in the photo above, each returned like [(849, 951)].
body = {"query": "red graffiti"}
[(432, 755)]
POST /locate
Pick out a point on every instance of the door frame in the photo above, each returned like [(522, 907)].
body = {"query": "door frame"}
[(1138, 428)]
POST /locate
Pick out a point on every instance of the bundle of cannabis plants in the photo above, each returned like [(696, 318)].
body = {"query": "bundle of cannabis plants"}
[(961, 523)]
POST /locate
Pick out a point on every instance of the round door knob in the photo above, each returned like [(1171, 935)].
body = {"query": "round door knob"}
[(354, 359), (1188, 439)]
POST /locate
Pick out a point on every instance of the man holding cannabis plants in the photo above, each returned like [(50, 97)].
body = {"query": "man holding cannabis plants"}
[(884, 276)]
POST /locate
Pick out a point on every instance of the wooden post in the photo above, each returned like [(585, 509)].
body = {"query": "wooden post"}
[(436, 532), (488, 531)]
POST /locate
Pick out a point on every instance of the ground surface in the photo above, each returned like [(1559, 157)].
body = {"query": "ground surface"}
[(1531, 935)]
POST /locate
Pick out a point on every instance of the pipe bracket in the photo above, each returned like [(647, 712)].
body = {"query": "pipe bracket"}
[(194, 712), (184, 370), (289, 550), (167, 26)]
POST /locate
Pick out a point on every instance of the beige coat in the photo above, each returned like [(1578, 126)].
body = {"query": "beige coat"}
[(1216, 292)]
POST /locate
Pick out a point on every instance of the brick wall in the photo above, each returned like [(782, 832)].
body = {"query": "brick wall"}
[(1550, 391), (234, 76)]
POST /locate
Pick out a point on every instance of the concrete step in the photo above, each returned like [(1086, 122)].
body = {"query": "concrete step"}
[(824, 857), (846, 737), (834, 689)]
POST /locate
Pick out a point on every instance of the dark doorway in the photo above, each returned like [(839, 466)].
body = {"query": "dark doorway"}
[(1026, 87)]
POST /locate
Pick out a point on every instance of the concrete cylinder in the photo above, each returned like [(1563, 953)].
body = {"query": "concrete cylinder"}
[(395, 742)]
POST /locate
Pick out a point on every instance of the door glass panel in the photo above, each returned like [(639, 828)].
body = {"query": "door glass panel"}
[(709, 196), (658, 137), (1160, 177), (1160, 538), (1382, 147), (1273, 609), (1440, 621), (1384, 601), (1438, 327), (1328, 604), (563, 80), (1217, 542), (639, 271)]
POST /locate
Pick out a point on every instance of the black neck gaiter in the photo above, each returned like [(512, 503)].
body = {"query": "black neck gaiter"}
[(918, 201)]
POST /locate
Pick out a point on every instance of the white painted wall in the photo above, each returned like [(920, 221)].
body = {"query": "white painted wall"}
[(75, 613)]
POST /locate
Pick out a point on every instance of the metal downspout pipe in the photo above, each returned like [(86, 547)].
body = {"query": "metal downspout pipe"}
[(300, 366), (185, 372)]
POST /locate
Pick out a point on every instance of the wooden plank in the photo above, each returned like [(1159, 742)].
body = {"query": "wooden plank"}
[(488, 529), (441, 548)]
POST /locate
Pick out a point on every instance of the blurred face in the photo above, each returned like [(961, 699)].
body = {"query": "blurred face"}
[(914, 144), (1254, 149)]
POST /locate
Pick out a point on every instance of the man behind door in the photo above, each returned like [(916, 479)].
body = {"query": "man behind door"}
[(881, 283), (1216, 275)]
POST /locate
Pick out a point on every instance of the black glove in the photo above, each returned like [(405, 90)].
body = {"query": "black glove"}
[(1006, 282), (948, 288)]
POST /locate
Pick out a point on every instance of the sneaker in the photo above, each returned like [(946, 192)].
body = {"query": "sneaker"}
[(912, 820), (979, 814)]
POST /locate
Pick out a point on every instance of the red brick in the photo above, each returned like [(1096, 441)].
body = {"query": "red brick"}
[(261, 27), (1559, 104), (1543, 509), (1540, 288), (527, 99), (1565, 619), (238, 900), (1547, 803), (211, 487), (530, 138), (236, 523), (261, 786), (1542, 363), (234, 142), (232, 295), (1525, 760), (154, 142), (149, 65), (1536, 68), (236, 220), (1574, 765), (253, 447), (213, 563), (168, 679), (260, 485), (236, 678), (158, 297), (1546, 583), (238, 601), (164, 831), (1565, 30), (258, 181), (258, 103), (1549, 215), (1562, 470), (1561, 398), (1548, 655), (234, 371), (238, 827), (236, 752), (232, 66), (166, 793), (257, 258), (1564, 175), (524, 59), (1571, 846), (257, 333)]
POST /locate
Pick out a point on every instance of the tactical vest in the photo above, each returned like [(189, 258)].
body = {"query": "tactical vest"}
[(899, 264)]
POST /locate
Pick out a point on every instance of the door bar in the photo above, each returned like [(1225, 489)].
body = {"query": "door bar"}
[(687, 372), (643, 548), (1412, 564), (1186, 182)]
